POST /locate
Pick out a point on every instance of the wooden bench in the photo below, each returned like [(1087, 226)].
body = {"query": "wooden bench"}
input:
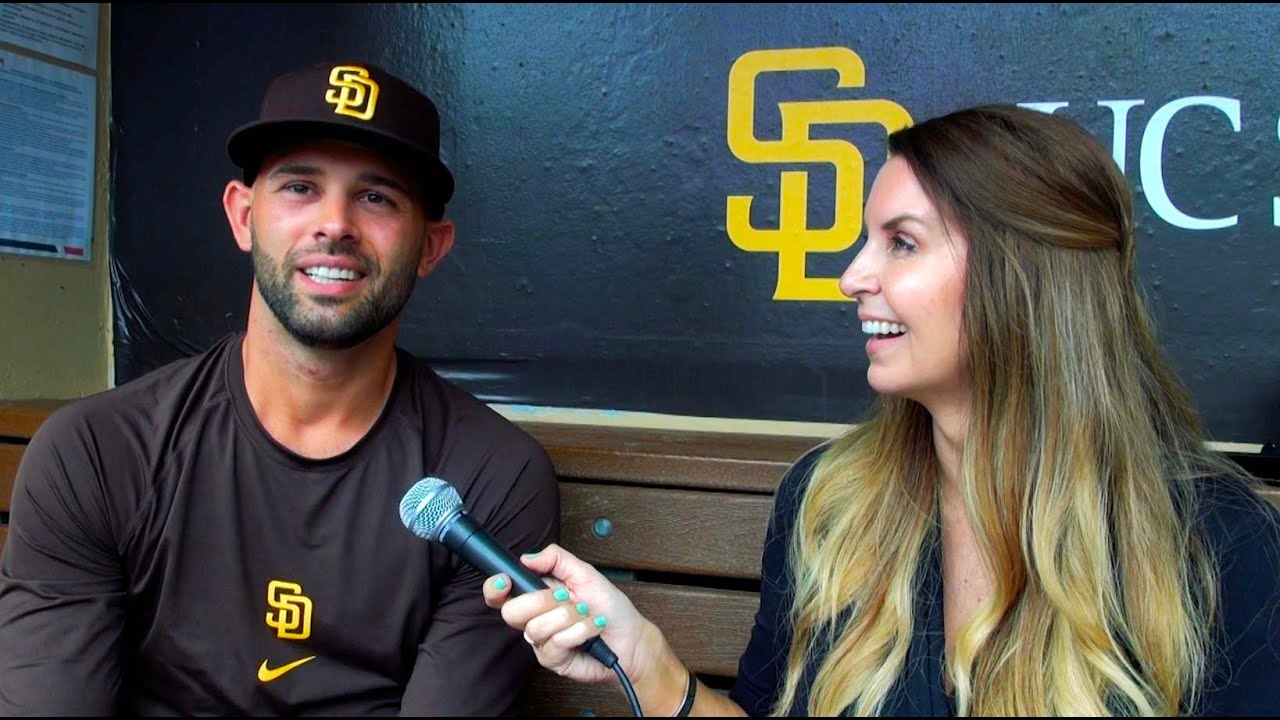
[(676, 517)]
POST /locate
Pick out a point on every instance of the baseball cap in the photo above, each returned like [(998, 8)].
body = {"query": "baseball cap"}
[(348, 101)]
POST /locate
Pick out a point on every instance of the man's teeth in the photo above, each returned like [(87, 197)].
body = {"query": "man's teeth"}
[(877, 327), (328, 274)]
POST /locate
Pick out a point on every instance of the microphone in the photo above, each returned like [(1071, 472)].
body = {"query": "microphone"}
[(433, 510)]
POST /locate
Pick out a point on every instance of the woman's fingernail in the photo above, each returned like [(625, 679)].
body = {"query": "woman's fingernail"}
[(532, 554), (561, 594), (500, 584), (600, 621), (582, 608)]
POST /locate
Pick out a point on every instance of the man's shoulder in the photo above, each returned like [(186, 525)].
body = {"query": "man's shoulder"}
[(468, 414), (140, 402)]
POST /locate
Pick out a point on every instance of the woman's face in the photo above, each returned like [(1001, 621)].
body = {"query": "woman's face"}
[(909, 281)]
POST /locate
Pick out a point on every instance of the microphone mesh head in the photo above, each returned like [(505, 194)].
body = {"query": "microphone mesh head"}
[(426, 506)]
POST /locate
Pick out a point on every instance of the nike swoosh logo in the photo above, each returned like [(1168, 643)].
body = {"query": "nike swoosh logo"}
[(266, 674)]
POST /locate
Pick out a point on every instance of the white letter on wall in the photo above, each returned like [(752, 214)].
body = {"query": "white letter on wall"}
[(1120, 114), (1152, 161)]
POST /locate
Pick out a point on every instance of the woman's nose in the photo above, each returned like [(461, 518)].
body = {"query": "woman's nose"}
[(858, 279)]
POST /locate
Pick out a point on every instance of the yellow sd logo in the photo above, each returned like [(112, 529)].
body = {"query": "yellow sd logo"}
[(352, 92), (293, 619), (794, 238)]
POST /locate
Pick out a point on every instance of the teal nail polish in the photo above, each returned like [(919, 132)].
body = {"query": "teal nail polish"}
[(582, 608), (600, 621), (500, 584), (532, 554), (561, 594)]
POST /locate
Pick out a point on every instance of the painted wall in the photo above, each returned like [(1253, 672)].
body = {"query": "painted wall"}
[(597, 149), (55, 330)]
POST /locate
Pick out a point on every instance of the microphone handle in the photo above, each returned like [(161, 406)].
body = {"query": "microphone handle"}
[(470, 542)]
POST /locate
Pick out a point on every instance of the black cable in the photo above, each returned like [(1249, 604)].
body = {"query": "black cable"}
[(632, 700), (596, 648)]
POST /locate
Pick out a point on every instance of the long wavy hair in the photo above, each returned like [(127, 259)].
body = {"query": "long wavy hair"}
[(1077, 473)]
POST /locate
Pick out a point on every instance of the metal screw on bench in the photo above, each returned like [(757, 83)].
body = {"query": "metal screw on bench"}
[(602, 528)]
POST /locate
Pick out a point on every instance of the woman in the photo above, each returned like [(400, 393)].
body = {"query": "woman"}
[(1029, 523)]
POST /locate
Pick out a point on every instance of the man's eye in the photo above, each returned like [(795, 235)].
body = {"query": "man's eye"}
[(375, 198)]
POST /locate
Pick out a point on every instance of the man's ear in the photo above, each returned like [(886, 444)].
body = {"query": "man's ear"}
[(438, 243), (237, 200)]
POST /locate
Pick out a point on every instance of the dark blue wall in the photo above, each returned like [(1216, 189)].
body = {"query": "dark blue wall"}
[(590, 145)]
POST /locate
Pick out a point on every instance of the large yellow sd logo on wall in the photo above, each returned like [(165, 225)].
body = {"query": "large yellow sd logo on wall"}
[(793, 238)]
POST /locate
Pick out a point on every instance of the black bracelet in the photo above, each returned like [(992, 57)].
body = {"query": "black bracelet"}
[(688, 696)]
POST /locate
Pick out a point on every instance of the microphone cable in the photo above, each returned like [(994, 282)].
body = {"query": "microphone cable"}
[(632, 700), (605, 655)]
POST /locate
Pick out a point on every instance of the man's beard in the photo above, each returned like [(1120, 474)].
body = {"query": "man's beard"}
[(384, 298)]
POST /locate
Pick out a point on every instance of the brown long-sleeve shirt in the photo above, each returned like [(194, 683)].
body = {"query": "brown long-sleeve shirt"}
[(166, 556)]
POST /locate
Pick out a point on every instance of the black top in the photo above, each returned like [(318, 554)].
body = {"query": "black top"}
[(167, 556), (1242, 531)]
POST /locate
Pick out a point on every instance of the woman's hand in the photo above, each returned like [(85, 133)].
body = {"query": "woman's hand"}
[(582, 604)]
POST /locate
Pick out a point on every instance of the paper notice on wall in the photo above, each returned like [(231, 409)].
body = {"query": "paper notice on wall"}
[(47, 139), (67, 31)]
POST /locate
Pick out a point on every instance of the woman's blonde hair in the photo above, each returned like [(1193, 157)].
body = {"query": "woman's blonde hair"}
[(1077, 473)]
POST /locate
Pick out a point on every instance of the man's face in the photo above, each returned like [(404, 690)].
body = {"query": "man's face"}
[(338, 237)]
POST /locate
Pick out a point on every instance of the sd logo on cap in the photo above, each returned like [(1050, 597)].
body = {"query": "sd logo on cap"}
[(358, 102)]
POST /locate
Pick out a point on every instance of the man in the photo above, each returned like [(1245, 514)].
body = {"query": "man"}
[(222, 535)]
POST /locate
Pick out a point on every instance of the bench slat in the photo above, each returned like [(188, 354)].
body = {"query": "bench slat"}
[(664, 530), (10, 455), (549, 695), (21, 418), (708, 628), (713, 460), (4, 535)]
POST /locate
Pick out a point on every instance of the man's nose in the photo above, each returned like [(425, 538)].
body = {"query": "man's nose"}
[(335, 222)]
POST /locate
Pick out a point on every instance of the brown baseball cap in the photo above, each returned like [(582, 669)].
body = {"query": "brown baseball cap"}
[(349, 101)]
